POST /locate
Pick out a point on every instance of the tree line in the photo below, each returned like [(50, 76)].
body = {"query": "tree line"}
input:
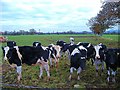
[(34, 32)]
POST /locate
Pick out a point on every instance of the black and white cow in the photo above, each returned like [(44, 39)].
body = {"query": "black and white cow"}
[(90, 50), (29, 55), (112, 62), (56, 52), (77, 60), (99, 56)]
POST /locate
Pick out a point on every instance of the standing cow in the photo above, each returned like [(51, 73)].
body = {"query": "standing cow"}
[(77, 60), (29, 55), (99, 56), (112, 62)]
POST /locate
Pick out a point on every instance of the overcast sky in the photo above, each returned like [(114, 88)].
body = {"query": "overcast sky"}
[(47, 15)]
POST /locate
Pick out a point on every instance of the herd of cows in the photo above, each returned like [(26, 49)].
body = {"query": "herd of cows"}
[(78, 54)]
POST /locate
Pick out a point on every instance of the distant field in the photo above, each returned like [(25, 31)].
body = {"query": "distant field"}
[(60, 79), (47, 39)]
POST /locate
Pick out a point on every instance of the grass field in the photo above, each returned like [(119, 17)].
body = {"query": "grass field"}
[(59, 78)]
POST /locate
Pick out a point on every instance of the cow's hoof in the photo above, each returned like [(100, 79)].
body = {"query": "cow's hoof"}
[(51, 66), (48, 79)]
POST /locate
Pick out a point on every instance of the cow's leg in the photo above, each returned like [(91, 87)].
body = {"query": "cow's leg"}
[(113, 76), (41, 71), (55, 61), (51, 62), (102, 67), (108, 75), (19, 70), (46, 66), (92, 60), (78, 72), (71, 72), (96, 67)]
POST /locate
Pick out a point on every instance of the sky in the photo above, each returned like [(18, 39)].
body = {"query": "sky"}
[(47, 15)]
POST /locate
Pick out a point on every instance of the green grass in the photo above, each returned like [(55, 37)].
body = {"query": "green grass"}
[(59, 78)]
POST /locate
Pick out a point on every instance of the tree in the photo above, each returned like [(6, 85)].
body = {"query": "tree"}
[(106, 18), (32, 31)]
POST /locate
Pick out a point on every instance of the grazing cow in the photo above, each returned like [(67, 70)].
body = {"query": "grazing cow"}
[(29, 55), (77, 60), (99, 56), (112, 62)]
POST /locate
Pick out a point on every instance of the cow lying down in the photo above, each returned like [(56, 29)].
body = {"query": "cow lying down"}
[(29, 55)]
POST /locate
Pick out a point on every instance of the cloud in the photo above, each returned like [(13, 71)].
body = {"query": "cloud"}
[(48, 13)]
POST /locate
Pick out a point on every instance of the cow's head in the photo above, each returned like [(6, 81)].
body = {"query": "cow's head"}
[(11, 44), (111, 56), (7, 53), (83, 52), (60, 43), (35, 44), (11, 54), (100, 52)]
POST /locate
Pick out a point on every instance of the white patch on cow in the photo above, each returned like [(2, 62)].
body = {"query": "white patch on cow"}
[(36, 44), (64, 43), (83, 57), (108, 72), (71, 69), (82, 48), (79, 70), (97, 48), (113, 72), (75, 51), (118, 53), (42, 58), (58, 49), (6, 49), (47, 69), (41, 71), (38, 61), (44, 48), (71, 39), (78, 43), (19, 69), (19, 55), (89, 45)]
